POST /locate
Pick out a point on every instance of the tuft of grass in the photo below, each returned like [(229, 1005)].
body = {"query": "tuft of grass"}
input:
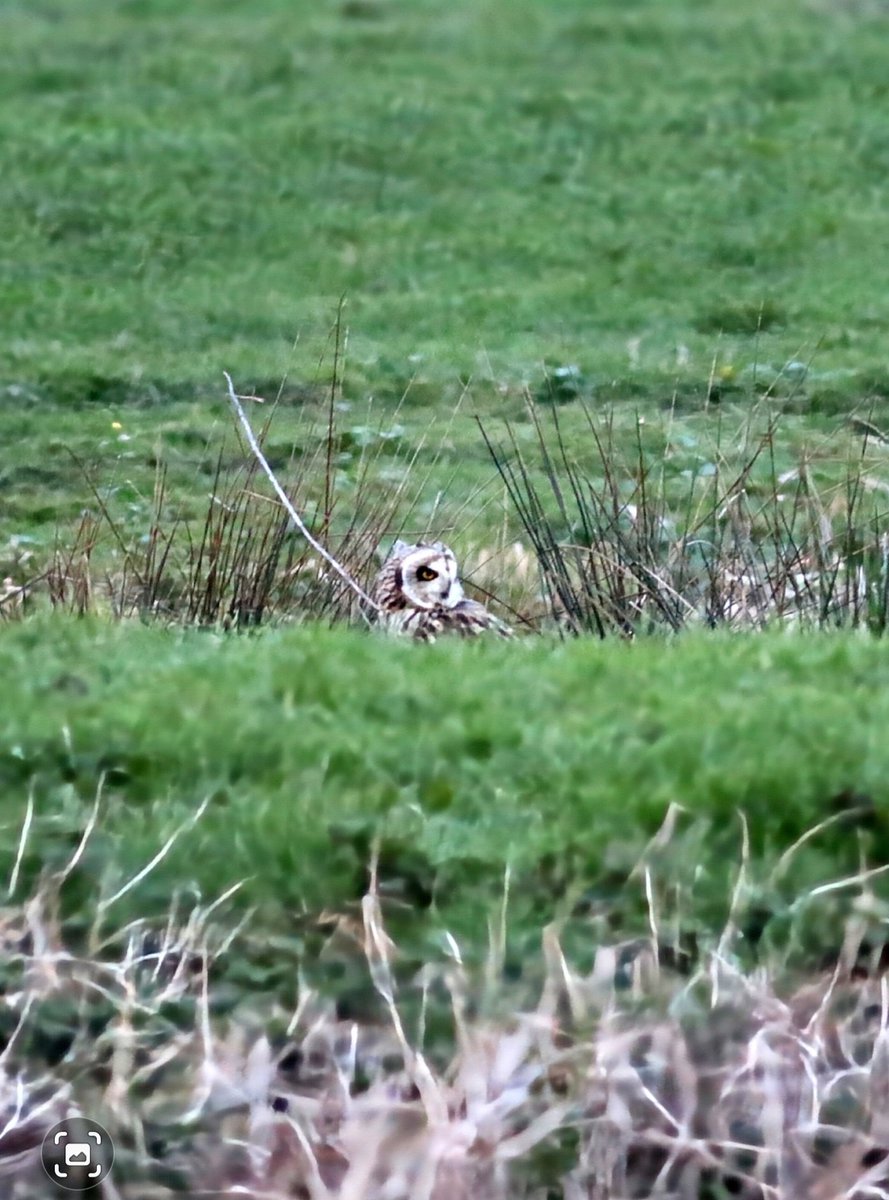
[(590, 520), (743, 317), (245, 559), (634, 540)]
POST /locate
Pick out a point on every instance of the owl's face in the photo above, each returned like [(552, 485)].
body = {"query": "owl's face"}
[(428, 575)]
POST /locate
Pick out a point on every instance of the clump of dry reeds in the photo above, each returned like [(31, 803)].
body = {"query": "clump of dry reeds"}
[(300, 540), (597, 536), (630, 1080), (243, 563), (751, 545)]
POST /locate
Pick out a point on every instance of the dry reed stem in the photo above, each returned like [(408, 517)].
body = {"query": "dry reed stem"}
[(285, 500)]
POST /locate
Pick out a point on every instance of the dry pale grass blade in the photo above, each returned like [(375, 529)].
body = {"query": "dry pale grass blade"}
[(22, 843), (106, 902), (627, 1082)]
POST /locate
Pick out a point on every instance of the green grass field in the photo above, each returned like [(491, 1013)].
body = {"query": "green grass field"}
[(594, 292), (678, 199), (681, 201), (491, 186)]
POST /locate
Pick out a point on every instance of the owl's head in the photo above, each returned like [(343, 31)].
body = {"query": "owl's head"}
[(428, 574)]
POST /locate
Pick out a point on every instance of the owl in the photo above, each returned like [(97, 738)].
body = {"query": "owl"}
[(420, 595)]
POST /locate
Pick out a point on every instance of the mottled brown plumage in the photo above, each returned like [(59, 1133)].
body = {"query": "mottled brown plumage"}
[(420, 595)]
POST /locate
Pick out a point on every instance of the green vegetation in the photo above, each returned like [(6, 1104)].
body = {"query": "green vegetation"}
[(676, 199), (188, 187), (557, 761), (591, 291), (655, 219)]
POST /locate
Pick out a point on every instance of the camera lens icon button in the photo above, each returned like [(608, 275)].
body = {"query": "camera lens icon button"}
[(77, 1154)]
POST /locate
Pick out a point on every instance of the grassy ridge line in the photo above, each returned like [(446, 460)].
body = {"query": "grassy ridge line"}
[(559, 759)]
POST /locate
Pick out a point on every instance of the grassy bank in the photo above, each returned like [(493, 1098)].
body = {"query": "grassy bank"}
[(252, 1038), (559, 762)]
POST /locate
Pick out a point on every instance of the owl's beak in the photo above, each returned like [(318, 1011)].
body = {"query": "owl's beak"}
[(453, 595)]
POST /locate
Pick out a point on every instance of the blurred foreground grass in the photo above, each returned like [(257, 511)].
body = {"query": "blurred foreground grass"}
[(556, 761)]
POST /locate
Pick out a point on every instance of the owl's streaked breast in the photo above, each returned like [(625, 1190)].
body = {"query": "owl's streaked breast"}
[(420, 596)]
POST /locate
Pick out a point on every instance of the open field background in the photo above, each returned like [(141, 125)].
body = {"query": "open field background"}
[(679, 201), (187, 188), (636, 247)]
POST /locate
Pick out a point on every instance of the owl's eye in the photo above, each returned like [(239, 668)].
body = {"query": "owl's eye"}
[(425, 574)]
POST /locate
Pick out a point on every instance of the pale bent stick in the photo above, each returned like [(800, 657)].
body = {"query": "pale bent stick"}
[(285, 500)]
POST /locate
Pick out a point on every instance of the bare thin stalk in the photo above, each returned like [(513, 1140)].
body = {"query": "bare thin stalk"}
[(285, 500)]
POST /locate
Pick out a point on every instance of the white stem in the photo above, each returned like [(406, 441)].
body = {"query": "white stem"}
[(285, 500)]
